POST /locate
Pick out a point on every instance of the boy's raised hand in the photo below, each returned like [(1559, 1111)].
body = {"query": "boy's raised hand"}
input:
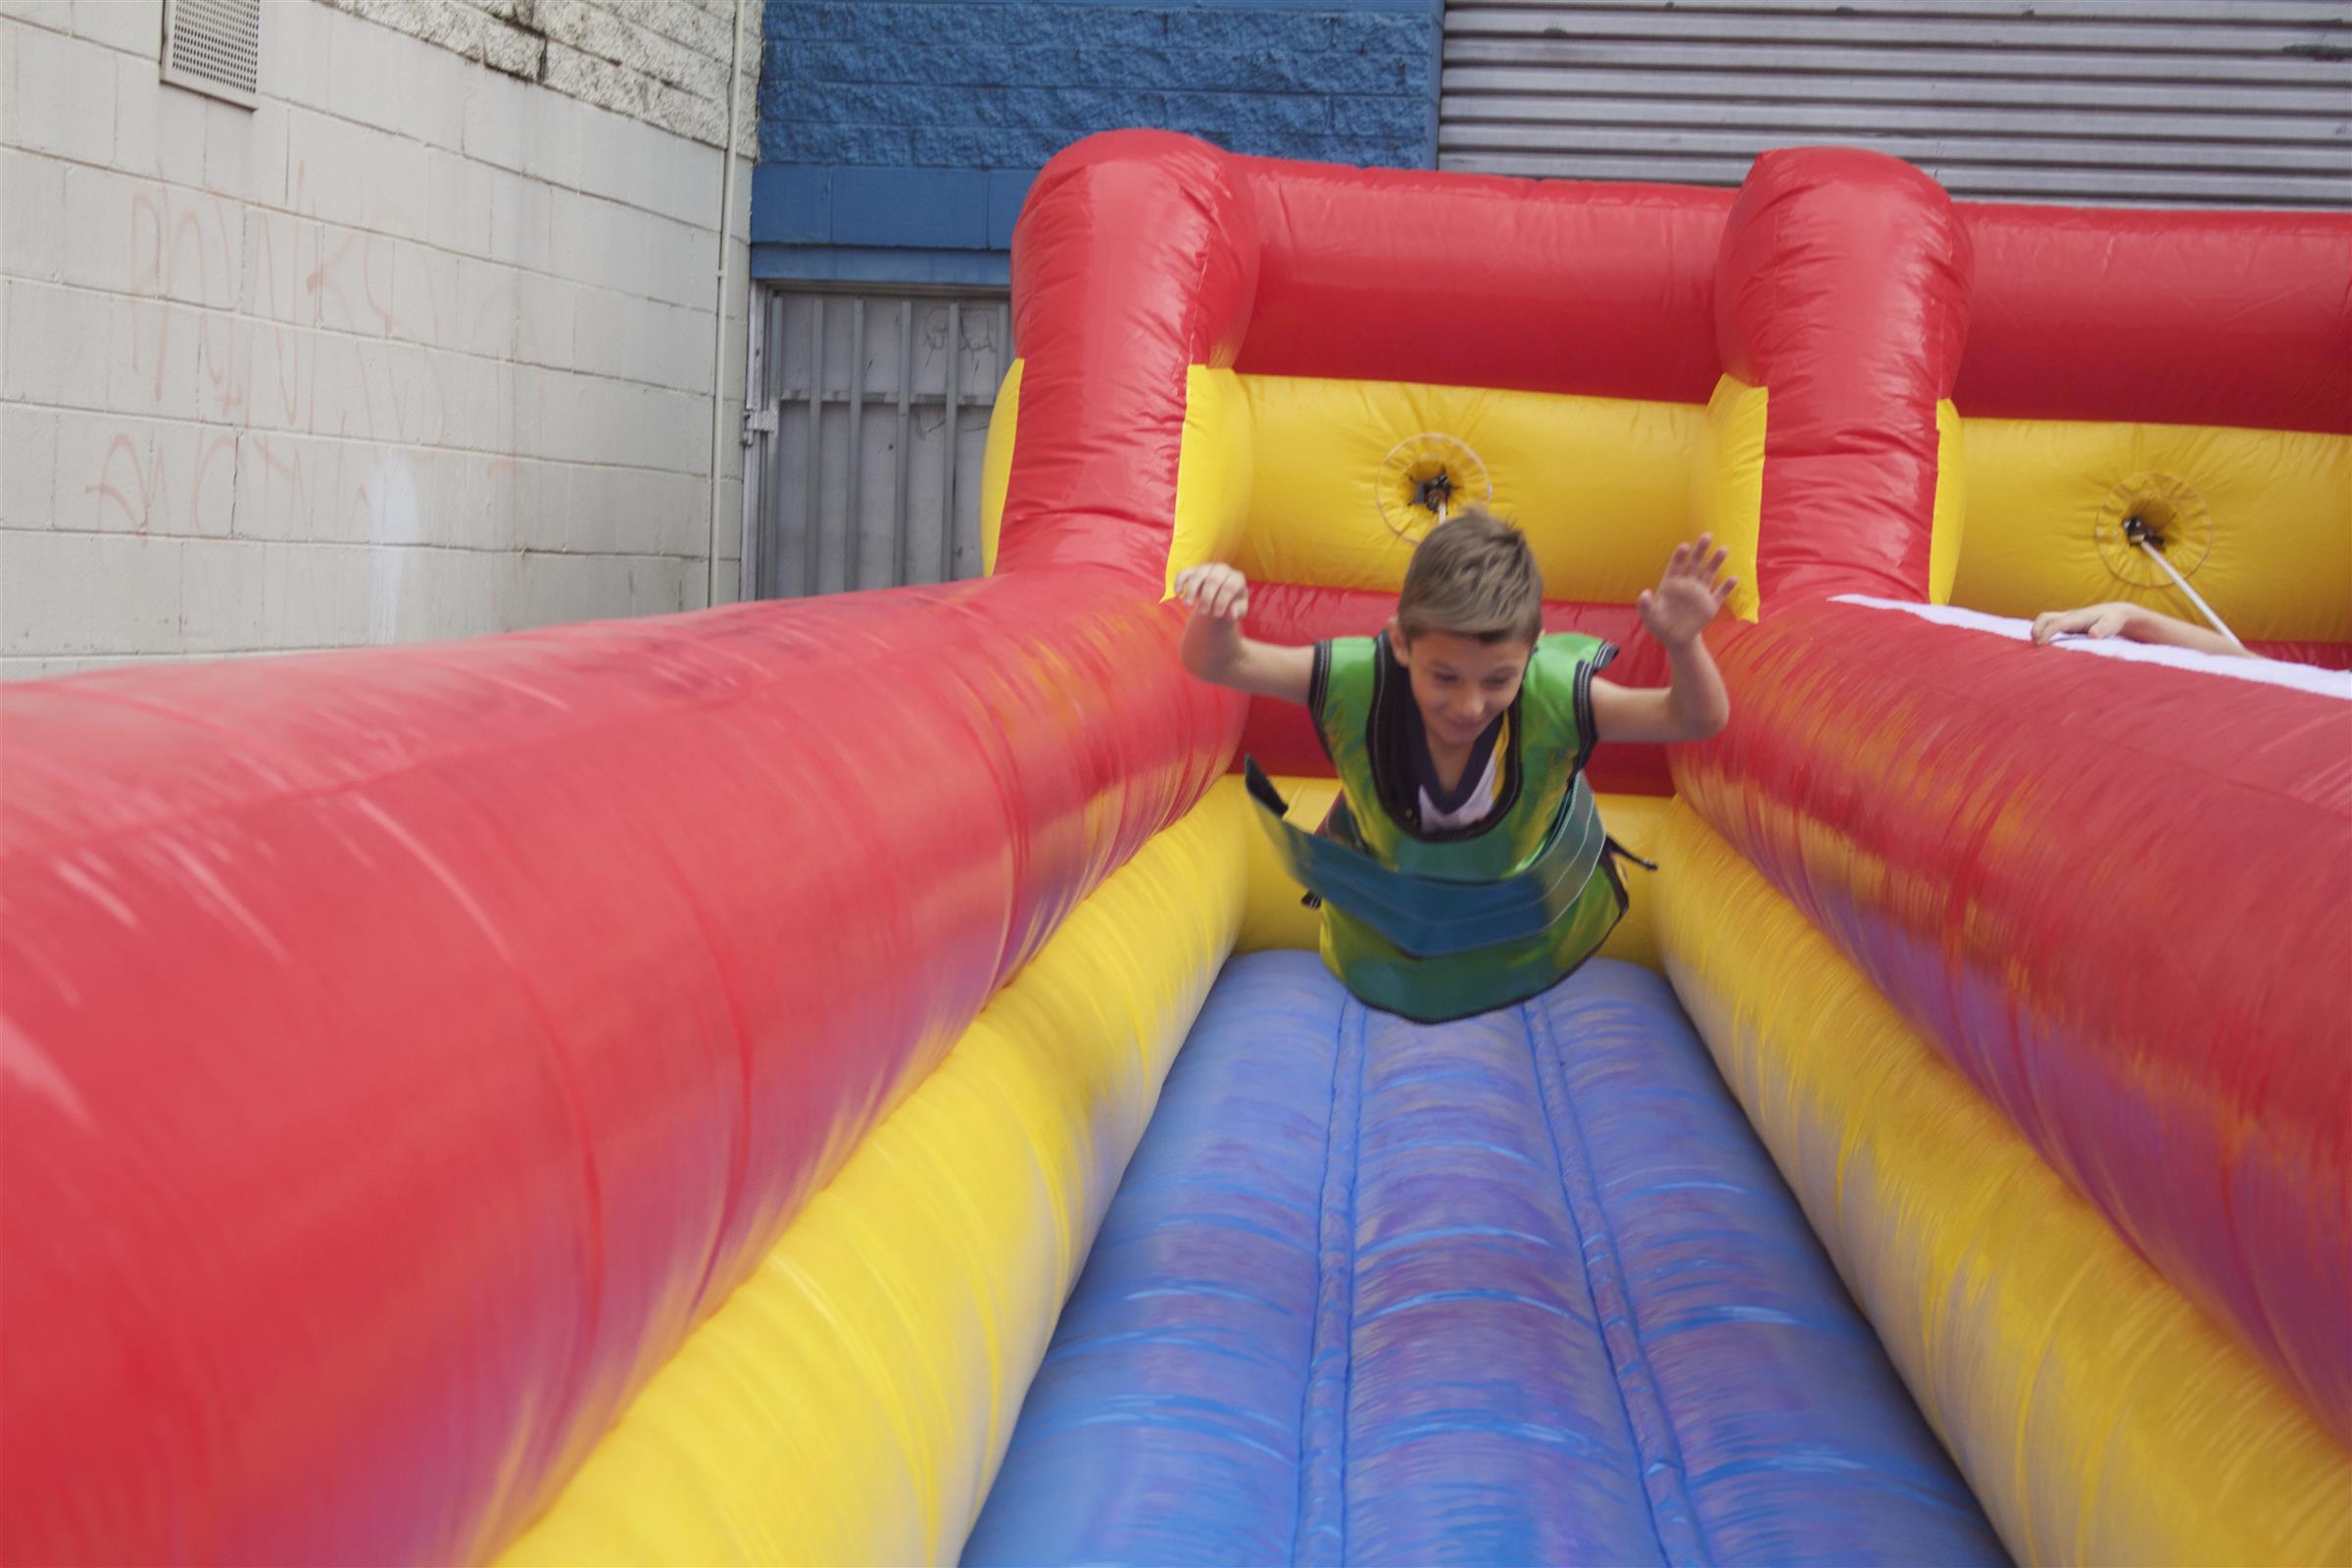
[(1690, 593), (1215, 590)]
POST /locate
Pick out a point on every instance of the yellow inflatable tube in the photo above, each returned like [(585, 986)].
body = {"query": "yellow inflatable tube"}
[(2099, 1417), (850, 1401)]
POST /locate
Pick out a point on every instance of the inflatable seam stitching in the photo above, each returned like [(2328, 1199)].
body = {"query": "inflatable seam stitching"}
[(1664, 1486), (1331, 1356)]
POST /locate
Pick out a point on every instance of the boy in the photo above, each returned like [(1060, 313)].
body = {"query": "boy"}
[(1464, 867)]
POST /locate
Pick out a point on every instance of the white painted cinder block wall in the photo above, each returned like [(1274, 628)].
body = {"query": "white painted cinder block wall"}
[(420, 348)]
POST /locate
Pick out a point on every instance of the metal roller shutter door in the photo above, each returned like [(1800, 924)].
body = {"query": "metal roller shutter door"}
[(2167, 102)]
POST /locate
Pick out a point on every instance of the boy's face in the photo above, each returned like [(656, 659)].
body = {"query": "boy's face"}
[(1461, 683)]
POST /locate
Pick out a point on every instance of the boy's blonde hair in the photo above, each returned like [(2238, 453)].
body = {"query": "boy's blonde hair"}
[(1472, 577)]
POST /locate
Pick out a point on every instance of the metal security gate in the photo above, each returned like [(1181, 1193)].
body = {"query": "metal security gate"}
[(2168, 102), (866, 418)]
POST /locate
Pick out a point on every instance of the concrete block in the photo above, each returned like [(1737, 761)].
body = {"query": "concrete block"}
[(159, 130), (522, 222), (355, 280), (368, 76), (297, 49), (676, 429), (628, 161), (285, 486), (515, 52), (279, 368), (223, 596), (700, 31), (1378, 120), (426, 304), (69, 594), (320, 595), (596, 29), (492, 129), (542, 505), (115, 232), (33, 189), (282, 270), (60, 92), (802, 142), (151, 358), (419, 404), (28, 467), (203, 248), (545, 310), (456, 204), (223, 345), (1256, 119), (356, 175), (547, 134), (489, 301), (982, 147), (190, 485), (104, 472), (469, 384), (50, 15), (246, 151), (1206, 29), (134, 26), (59, 341), (340, 395)]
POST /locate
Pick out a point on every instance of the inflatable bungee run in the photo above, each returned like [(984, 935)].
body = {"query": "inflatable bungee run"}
[(848, 1081)]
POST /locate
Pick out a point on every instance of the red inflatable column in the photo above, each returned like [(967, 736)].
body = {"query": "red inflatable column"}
[(1134, 260), (1842, 290)]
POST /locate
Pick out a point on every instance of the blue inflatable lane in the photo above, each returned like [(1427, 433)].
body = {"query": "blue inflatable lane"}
[(1523, 1289)]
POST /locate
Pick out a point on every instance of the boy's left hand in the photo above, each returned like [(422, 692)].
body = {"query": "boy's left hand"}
[(1689, 594)]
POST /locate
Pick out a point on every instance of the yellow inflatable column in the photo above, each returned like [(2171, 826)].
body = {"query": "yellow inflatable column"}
[(1727, 482), (2098, 1415)]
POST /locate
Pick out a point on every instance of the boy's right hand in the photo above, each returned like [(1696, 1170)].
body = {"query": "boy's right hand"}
[(1215, 590)]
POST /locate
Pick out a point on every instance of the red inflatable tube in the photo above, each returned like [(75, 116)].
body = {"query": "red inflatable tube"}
[(2094, 884), (2213, 318), (1282, 736), (1547, 286), (1843, 292), (479, 1013), (1134, 259), (2325, 655)]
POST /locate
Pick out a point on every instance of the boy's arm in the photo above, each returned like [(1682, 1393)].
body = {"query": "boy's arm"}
[(1695, 704), (1694, 707), (2134, 623), (1215, 650)]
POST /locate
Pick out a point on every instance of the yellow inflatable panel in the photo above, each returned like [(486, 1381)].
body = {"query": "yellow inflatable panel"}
[(1213, 470), (1727, 482), (2259, 522), (1949, 519), (2098, 1415), (1600, 484), (1274, 917), (850, 1401), (996, 465)]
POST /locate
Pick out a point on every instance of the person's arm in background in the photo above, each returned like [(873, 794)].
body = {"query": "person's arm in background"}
[(2134, 623)]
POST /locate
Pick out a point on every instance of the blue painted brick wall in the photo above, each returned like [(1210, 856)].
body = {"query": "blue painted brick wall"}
[(897, 139)]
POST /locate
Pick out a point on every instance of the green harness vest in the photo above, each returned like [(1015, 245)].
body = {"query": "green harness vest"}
[(1447, 925)]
